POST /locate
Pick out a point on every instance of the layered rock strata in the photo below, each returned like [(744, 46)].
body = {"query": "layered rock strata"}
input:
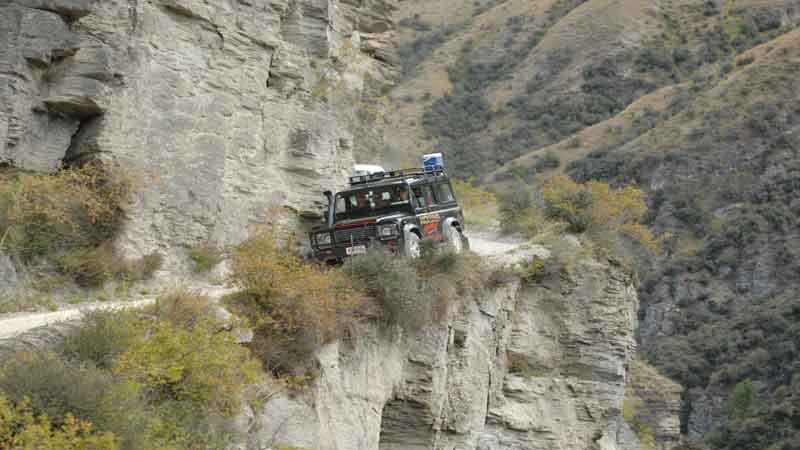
[(513, 367)]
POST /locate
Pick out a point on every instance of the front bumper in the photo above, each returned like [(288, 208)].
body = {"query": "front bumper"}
[(339, 252)]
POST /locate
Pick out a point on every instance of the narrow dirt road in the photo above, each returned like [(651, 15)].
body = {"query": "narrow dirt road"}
[(497, 250), (16, 324), (504, 251), (20, 323)]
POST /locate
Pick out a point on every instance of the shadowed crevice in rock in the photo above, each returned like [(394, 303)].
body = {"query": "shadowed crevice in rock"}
[(84, 145), (52, 79)]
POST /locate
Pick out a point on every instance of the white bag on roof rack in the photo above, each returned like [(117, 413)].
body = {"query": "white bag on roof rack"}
[(366, 169)]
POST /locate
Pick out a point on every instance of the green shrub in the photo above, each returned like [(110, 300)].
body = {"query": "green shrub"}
[(285, 351), (292, 306), (89, 267), (166, 377), (182, 307), (480, 206), (598, 208), (21, 428), (599, 165), (75, 208), (205, 258), (745, 401), (447, 276), (630, 408), (94, 266), (531, 270), (71, 218), (103, 336), (393, 283), (202, 366), (144, 268), (515, 206), (595, 208), (300, 294), (54, 387), (547, 162), (31, 302), (415, 294)]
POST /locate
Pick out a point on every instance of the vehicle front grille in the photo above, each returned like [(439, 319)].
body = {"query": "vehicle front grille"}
[(359, 235)]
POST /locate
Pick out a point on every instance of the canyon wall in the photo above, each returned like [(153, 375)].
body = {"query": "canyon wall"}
[(222, 111), (514, 366)]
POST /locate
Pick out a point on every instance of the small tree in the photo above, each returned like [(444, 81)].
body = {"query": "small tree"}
[(745, 400)]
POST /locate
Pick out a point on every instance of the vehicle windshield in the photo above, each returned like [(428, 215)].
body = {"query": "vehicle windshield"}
[(373, 201)]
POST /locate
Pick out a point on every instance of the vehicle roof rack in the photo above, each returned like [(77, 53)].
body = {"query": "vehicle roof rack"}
[(394, 175)]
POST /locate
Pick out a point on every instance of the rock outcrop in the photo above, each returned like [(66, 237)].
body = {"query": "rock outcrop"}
[(659, 406), (221, 109), (513, 367)]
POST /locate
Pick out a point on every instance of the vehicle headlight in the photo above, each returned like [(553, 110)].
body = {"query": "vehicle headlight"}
[(387, 230), (323, 239)]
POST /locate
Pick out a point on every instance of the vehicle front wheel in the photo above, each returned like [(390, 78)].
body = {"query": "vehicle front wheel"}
[(455, 241), (411, 246)]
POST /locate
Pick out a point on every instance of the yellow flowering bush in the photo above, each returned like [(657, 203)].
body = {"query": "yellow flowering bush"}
[(20, 429)]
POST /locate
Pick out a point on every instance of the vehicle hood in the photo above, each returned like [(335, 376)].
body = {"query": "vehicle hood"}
[(360, 222)]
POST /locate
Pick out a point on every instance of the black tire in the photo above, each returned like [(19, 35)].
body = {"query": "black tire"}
[(455, 240), (412, 245)]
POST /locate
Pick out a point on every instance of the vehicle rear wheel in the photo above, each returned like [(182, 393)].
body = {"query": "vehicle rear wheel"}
[(455, 241), (411, 246)]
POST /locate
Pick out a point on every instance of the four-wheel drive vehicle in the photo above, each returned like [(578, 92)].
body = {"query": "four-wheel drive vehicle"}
[(397, 209)]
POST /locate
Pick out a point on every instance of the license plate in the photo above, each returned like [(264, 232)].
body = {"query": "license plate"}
[(357, 250)]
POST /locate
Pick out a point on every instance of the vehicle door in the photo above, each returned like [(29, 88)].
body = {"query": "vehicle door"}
[(420, 205), (446, 205), (430, 220)]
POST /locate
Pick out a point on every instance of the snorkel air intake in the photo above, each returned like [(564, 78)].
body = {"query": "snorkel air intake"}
[(329, 196)]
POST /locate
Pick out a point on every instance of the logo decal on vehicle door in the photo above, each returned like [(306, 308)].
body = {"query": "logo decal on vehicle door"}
[(430, 226)]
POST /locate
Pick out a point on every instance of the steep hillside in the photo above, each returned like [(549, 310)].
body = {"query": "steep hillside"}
[(724, 178), (695, 101), (721, 165), (518, 76)]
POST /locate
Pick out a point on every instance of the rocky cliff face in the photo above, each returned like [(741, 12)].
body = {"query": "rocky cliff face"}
[(515, 367), (221, 109)]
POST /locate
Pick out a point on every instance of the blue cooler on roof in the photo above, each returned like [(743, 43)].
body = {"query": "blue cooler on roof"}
[(433, 161)]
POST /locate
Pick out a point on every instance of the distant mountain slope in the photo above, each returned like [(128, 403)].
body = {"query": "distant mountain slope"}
[(723, 307), (492, 81), (698, 102)]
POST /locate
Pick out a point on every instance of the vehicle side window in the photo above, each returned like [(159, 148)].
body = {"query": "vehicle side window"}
[(419, 197), (427, 191), (341, 206), (444, 194)]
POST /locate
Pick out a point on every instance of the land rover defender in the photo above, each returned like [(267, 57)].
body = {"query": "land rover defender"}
[(397, 209)]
